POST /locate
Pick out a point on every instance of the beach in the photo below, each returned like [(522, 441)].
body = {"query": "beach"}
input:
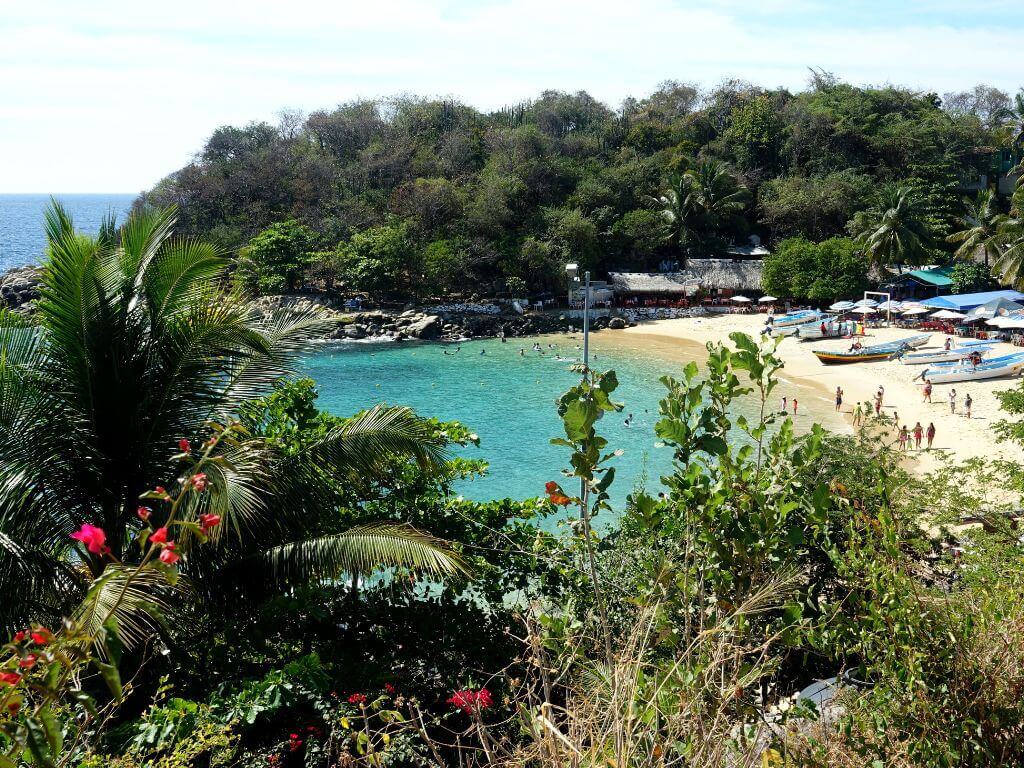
[(956, 436)]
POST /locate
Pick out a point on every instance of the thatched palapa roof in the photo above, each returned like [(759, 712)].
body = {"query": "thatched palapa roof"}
[(723, 274)]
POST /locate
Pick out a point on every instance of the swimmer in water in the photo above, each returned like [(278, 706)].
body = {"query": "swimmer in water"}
[(483, 351), (522, 353)]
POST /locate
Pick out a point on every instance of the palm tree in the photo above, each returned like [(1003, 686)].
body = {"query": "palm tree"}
[(697, 204), (137, 345), (982, 220), (1010, 266), (894, 230)]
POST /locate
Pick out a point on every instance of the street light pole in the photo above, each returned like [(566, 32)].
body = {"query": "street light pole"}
[(586, 320)]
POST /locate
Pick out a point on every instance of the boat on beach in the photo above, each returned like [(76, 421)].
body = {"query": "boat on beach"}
[(799, 317), (944, 355), (872, 353), (996, 368), (833, 329)]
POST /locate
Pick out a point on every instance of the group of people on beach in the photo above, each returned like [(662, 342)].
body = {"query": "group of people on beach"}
[(904, 433)]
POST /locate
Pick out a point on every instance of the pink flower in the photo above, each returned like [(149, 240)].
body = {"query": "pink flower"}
[(184, 446), (41, 636), (29, 661), (159, 536), (209, 521), (94, 538), (143, 513), (469, 700), (168, 555), (199, 482)]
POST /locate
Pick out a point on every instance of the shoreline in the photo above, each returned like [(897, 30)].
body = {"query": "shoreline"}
[(956, 437)]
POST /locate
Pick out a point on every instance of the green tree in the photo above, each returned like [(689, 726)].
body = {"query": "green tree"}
[(982, 220), (380, 259), (829, 270), (969, 276), (277, 258), (893, 230), (137, 347), (813, 206), (446, 265)]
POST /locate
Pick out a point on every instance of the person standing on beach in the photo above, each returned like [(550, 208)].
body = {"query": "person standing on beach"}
[(858, 415), (967, 405), (927, 390), (904, 438), (785, 404), (952, 401), (896, 421), (839, 398), (918, 434), (878, 403), (794, 406), (930, 434)]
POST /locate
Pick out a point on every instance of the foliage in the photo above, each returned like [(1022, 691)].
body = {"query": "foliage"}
[(823, 271), (894, 229), (276, 259), (969, 276)]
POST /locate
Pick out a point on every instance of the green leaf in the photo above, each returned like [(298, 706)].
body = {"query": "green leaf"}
[(112, 678)]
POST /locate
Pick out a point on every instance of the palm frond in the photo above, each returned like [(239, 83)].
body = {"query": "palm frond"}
[(363, 550), (137, 603)]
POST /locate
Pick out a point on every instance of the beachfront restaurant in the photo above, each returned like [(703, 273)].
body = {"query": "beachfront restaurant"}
[(713, 280), (920, 283), (965, 302)]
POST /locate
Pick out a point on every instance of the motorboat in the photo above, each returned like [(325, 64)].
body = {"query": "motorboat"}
[(996, 368), (944, 355), (800, 317), (872, 353)]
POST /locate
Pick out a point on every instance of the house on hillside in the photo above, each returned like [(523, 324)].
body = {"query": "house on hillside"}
[(713, 277), (923, 283)]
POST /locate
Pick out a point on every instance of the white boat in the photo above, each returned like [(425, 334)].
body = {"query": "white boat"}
[(797, 318), (997, 368), (943, 355), (833, 329)]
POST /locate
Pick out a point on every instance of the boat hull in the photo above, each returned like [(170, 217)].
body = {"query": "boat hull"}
[(942, 356), (840, 358), (979, 374)]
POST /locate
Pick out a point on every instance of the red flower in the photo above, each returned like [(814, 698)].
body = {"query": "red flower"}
[(357, 698), (161, 491), (551, 487), (199, 482), (159, 536), (184, 446), (168, 555), (469, 700), (94, 538), (41, 636), (29, 661), (19, 636), (389, 688), (10, 678), (209, 521), (143, 513), (294, 742)]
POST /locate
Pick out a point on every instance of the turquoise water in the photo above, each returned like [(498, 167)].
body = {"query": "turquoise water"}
[(508, 400), (21, 222)]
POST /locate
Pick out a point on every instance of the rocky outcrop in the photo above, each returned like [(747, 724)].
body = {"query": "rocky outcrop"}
[(19, 288)]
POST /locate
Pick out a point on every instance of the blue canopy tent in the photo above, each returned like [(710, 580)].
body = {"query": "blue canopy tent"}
[(968, 301)]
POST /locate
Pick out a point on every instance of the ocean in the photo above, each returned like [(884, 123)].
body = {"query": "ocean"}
[(22, 240)]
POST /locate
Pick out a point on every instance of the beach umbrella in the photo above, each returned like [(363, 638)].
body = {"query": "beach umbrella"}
[(841, 306), (915, 311), (865, 303), (948, 314), (1000, 306), (892, 306), (864, 310), (766, 300), (740, 299)]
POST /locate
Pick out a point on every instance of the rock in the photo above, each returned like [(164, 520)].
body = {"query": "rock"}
[(617, 323), (428, 327), (355, 332), (19, 288)]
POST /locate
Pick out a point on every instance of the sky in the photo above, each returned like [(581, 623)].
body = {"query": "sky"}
[(112, 95)]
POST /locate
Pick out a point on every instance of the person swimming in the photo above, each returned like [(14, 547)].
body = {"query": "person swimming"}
[(483, 351)]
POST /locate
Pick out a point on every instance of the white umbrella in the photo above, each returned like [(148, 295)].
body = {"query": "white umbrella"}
[(740, 299), (892, 306), (766, 300), (915, 311), (864, 310), (866, 303), (839, 306), (947, 314)]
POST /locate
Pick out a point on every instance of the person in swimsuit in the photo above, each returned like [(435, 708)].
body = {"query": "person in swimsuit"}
[(904, 437), (858, 415), (918, 434), (930, 434), (968, 402), (952, 401), (839, 398), (927, 390), (794, 406)]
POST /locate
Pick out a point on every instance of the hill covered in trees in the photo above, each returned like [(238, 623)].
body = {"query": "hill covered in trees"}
[(411, 195)]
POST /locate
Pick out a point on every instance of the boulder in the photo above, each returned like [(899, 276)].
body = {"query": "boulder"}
[(428, 327)]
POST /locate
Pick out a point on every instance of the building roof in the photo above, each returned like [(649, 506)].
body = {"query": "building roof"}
[(937, 276), (966, 301), (723, 274)]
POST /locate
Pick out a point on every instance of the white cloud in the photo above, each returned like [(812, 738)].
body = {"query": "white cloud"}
[(110, 96)]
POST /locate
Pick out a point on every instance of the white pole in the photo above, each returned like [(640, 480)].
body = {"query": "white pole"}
[(586, 320)]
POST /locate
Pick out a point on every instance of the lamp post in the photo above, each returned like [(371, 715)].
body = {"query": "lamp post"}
[(572, 272)]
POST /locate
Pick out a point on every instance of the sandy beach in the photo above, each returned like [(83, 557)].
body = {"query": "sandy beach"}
[(956, 436)]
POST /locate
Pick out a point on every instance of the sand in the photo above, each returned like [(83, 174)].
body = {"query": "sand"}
[(956, 436)]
